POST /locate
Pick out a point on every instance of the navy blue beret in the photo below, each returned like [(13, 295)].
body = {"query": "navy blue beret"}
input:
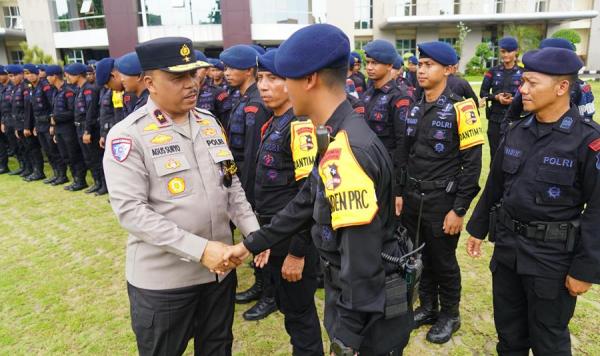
[(75, 69), (557, 43), (42, 67), (3, 70), (382, 51), (311, 49), (552, 61), (398, 63), (259, 49), (89, 69), (201, 59), (129, 64), (508, 43), (53, 69), (357, 56), (267, 62), (216, 63), (103, 69), (31, 68), (92, 62), (351, 61), (14, 69), (413, 60), (440, 52), (239, 57)]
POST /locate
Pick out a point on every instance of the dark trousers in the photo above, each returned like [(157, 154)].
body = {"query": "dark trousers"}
[(13, 144), (91, 153), (68, 146), (23, 148), (51, 150), (530, 313), (4, 149), (34, 152), (441, 273), (297, 303), (165, 320), (494, 134)]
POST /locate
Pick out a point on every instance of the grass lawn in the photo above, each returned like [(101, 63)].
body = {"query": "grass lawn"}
[(62, 286)]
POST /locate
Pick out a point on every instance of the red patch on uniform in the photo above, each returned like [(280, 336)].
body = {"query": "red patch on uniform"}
[(69, 94), (222, 96), (359, 110), (359, 89), (264, 127), (488, 74), (586, 88), (252, 109), (467, 108), (595, 145), (402, 102), (46, 88), (87, 92)]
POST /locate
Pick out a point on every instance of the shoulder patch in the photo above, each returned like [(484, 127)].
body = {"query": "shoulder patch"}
[(222, 96), (303, 144), (595, 145), (87, 92), (69, 94), (251, 109), (402, 102), (46, 87), (470, 132), (359, 109), (120, 148)]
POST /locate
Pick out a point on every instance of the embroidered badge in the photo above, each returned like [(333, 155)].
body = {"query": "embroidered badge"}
[(204, 122), (209, 131), (185, 53), (595, 145), (439, 147), (566, 123), (172, 164), (161, 139), (176, 186), (152, 127), (160, 117), (120, 148), (554, 192)]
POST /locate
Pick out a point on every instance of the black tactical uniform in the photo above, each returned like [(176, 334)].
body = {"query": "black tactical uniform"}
[(41, 103), (129, 100), (461, 87), (355, 273), (547, 177), (216, 100), (498, 80), (276, 185), (436, 173), (141, 100), (357, 105), (360, 82), (6, 144), (63, 113), (32, 153), (86, 121)]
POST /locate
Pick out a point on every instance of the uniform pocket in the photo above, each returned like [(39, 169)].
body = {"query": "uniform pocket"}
[(555, 186), (142, 322), (177, 185), (554, 306), (510, 164)]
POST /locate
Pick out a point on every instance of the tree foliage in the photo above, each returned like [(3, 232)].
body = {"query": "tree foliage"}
[(35, 54), (568, 34), (528, 37), (463, 31), (477, 64)]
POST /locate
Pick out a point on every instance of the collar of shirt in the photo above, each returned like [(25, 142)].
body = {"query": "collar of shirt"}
[(564, 124), (343, 111)]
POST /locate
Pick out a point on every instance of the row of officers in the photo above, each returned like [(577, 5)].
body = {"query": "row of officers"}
[(400, 150)]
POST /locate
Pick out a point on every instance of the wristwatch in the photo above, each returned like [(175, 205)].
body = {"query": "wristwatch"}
[(460, 211)]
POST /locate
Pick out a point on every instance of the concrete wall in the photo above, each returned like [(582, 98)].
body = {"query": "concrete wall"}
[(37, 19), (340, 14), (593, 57)]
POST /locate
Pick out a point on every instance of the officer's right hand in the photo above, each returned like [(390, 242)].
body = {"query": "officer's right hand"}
[(27, 133), (212, 258), (3, 128), (474, 247), (399, 205)]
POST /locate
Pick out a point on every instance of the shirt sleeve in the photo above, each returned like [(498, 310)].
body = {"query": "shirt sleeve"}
[(468, 177), (256, 115), (240, 211), (486, 86), (400, 111), (91, 102)]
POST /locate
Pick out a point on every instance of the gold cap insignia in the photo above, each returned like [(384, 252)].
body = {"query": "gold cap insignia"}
[(185, 53)]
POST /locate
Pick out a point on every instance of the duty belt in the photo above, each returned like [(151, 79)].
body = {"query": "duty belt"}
[(428, 185), (332, 273), (561, 231)]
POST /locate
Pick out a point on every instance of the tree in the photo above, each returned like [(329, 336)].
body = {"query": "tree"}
[(477, 64), (568, 34), (463, 31), (35, 54), (528, 37)]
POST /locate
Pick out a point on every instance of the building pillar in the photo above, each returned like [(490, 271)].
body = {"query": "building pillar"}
[(340, 13), (121, 26), (38, 20), (593, 54), (236, 22)]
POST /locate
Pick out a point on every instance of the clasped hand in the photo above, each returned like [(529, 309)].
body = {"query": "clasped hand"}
[(220, 258)]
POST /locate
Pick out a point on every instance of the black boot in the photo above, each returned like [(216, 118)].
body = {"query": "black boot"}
[(94, 188), (36, 175), (78, 185), (252, 293), (4, 169), (61, 178), (27, 171), (19, 170), (103, 189), (52, 179), (427, 313), (262, 309), (446, 325)]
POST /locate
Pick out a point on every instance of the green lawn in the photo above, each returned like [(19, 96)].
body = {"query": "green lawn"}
[(62, 287)]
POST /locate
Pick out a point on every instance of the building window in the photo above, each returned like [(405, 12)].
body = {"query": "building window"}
[(77, 15), (406, 7), (16, 57), (499, 6), (541, 6), (179, 12), (288, 11), (406, 46), (456, 7), (74, 55), (360, 44), (363, 14), (449, 7), (12, 17)]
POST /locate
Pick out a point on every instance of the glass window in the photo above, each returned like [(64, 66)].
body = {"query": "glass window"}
[(363, 14), (74, 55), (541, 6), (180, 12), (499, 6), (406, 45), (288, 11), (12, 17), (359, 44), (490, 36), (449, 7), (406, 7), (16, 56), (76, 15)]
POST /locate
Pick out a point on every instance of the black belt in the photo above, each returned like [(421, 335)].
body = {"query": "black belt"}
[(563, 231), (428, 185)]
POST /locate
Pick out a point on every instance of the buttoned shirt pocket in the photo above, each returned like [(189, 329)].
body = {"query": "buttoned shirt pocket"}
[(555, 186)]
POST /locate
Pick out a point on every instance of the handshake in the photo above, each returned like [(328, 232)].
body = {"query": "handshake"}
[(220, 258)]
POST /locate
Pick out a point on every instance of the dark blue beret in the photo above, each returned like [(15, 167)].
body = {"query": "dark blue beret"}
[(413, 60), (31, 68), (351, 61), (42, 67), (75, 69), (311, 49), (508, 43), (239, 57), (89, 69), (103, 69), (129, 64), (3, 70), (92, 62), (259, 49), (14, 69), (357, 56), (382, 51), (398, 63), (557, 43), (53, 69), (267, 62), (552, 61), (216, 63), (201, 59), (440, 52)]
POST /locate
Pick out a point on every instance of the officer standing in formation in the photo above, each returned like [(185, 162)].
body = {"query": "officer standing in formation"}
[(438, 167), (350, 235), (5, 148), (499, 86), (411, 71), (110, 79), (212, 97), (360, 82), (460, 86), (541, 206), (172, 185), (217, 74), (130, 70)]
